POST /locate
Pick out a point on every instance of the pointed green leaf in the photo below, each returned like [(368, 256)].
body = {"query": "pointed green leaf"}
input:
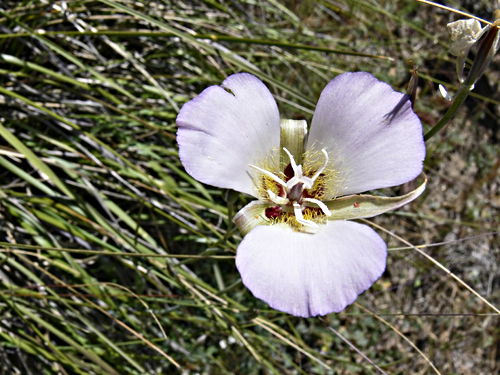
[(363, 206), (35, 161)]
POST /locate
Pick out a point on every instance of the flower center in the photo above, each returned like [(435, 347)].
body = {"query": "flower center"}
[(296, 193)]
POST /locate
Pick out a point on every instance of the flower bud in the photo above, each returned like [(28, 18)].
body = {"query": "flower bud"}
[(463, 34), (467, 34), (487, 47)]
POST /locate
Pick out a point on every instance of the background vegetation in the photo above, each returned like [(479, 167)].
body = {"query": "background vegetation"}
[(114, 261)]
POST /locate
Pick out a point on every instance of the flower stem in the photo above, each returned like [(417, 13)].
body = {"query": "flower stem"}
[(457, 102)]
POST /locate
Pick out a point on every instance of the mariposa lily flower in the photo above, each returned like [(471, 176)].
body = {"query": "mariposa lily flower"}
[(299, 253)]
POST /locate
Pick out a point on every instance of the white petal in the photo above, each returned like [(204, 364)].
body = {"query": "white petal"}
[(226, 128), (311, 274), (372, 142)]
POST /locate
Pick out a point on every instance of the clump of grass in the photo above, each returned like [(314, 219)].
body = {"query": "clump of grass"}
[(114, 260)]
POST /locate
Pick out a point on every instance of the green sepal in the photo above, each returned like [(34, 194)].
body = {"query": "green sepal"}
[(364, 205), (293, 137), (251, 215)]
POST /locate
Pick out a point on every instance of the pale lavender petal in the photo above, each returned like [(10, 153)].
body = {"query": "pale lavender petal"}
[(373, 141), (311, 274), (226, 128)]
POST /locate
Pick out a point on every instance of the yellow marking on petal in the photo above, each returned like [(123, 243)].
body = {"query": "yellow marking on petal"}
[(264, 182), (311, 214), (324, 186)]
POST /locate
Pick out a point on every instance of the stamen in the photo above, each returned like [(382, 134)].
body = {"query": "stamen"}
[(319, 171), (270, 175), (320, 204), (295, 168), (297, 210), (276, 198)]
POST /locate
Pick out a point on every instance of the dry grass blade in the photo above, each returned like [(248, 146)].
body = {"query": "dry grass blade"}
[(450, 9), (353, 347), (268, 326), (395, 329), (438, 264)]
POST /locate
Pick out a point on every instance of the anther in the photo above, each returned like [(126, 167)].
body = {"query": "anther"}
[(297, 210), (320, 204), (319, 171), (276, 198), (270, 175), (297, 170)]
